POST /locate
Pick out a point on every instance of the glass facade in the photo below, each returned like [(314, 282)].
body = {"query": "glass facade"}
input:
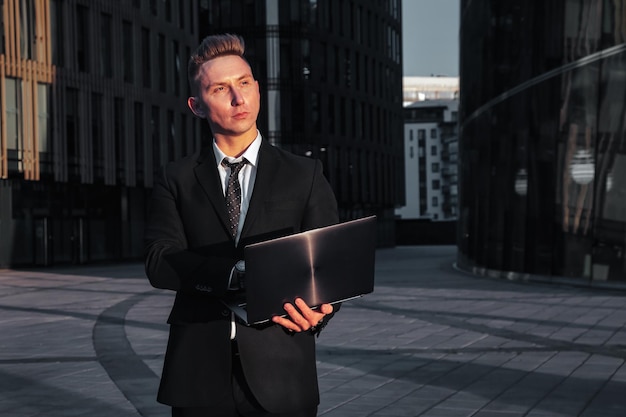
[(330, 73), (92, 104), (543, 139)]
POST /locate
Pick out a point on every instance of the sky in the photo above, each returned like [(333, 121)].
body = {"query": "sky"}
[(430, 37)]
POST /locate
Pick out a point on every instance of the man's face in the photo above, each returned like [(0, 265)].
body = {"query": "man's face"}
[(228, 96)]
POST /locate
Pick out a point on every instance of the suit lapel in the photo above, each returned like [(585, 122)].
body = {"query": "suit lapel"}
[(263, 185), (209, 179)]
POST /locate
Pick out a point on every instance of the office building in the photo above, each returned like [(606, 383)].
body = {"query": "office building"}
[(543, 140), (430, 160), (330, 73), (93, 96), (93, 99)]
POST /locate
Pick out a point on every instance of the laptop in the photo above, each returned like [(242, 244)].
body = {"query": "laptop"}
[(331, 264)]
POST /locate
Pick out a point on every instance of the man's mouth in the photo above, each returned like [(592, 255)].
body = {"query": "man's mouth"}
[(241, 115)]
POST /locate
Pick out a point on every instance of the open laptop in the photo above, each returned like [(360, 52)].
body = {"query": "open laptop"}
[(326, 265)]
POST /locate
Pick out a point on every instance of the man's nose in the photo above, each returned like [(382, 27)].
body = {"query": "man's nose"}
[(238, 98)]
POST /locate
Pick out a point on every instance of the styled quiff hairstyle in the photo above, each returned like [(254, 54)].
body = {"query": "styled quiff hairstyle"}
[(212, 47)]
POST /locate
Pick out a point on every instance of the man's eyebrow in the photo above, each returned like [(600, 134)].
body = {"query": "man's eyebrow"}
[(241, 77)]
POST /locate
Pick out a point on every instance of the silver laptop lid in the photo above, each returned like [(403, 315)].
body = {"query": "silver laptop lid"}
[(325, 265)]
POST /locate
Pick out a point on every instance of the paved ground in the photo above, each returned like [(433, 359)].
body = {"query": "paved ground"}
[(430, 341)]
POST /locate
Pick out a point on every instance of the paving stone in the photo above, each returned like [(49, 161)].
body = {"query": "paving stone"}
[(430, 341)]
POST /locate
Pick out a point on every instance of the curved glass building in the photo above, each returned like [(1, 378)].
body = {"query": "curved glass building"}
[(543, 139)]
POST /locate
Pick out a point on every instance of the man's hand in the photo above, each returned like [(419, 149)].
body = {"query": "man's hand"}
[(301, 317)]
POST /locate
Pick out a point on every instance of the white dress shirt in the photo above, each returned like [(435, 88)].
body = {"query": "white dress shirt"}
[(247, 176)]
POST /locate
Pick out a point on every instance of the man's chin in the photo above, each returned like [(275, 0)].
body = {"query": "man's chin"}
[(249, 133)]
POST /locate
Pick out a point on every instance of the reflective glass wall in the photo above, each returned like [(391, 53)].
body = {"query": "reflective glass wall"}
[(543, 138)]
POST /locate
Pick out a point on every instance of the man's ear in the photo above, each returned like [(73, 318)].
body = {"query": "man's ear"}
[(196, 107)]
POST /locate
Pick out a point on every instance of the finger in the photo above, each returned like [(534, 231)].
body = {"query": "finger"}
[(326, 308), (297, 316), (286, 323), (313, 317), (303, 307), (323, 309)]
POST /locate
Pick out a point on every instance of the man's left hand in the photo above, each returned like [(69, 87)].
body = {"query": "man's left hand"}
[(301, 317)]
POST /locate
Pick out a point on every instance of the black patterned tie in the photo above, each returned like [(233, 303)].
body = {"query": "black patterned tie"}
[(233, 194)]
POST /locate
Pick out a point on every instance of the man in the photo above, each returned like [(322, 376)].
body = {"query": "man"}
[(215, 366)]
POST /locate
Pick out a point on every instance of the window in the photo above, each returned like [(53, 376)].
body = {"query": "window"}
[(14, 116), (435, 167), (106, 63), (171, 136), (181, 14), (161, 68), (43, 116), (139, 142), (185, 140), (119, 126), (96, 135), (129, 56), (146, 65), (192, 13), (436, 184), (342, 116), (71, 125), (168, 10), (315, 112), (306, 59), (421, 134), (331, 114), (366, 74), (56, 18), (176, 67), (433, 150), (155, 123), (357, 70), (433, 133), (323, 62), (187, 86), (2, 40), (82, 38), (358, 119), (435, 201), (313, 6), (337, 64), (28, 36), (348, 68)]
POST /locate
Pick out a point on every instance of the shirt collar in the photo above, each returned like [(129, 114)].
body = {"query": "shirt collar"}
[(251, 154)]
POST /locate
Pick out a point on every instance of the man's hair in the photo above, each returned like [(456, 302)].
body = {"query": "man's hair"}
[(212, 47)]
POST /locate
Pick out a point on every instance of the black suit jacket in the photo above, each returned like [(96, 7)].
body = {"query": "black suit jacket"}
[(189, 249)]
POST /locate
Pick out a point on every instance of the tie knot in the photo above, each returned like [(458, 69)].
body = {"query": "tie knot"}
[(235, 167)]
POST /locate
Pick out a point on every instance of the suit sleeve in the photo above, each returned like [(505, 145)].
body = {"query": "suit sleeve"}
[(321, 209), (169, 263)]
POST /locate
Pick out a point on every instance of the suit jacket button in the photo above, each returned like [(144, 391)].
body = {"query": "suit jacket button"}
[(225, 312), (204, 288)]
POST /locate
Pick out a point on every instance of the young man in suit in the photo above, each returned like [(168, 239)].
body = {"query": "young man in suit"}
[(215, 366)]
